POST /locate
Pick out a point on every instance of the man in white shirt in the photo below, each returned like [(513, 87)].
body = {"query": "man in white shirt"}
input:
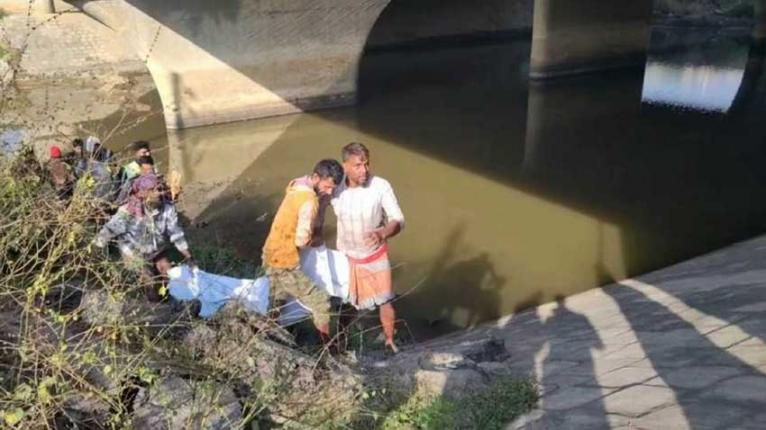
[(368, 215)]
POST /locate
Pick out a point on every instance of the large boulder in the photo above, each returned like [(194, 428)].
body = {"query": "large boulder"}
[(113, 309), (260, 354), (177, 403), (237, 358), (450, 368)]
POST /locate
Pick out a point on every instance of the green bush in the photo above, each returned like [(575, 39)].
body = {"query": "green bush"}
[(77, 334), (225, 262)]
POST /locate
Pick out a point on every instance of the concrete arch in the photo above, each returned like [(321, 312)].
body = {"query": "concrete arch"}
[(424, 26), (406, 22), (231, 60)]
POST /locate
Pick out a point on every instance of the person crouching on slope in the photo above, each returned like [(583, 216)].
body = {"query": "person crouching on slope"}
[(144, 228)]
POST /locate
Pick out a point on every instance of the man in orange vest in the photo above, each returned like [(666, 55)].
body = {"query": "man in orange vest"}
[(293, 228)]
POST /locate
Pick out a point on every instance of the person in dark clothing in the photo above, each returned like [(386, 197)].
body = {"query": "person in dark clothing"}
[(96, 177), (77, 159)]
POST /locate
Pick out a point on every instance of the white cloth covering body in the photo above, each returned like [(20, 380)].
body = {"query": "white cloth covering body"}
[(327, 268)]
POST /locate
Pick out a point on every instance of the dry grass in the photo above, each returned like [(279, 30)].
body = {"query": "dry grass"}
[(78, 339)]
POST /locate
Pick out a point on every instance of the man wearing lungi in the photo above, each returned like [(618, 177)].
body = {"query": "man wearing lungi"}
[(368, 215)]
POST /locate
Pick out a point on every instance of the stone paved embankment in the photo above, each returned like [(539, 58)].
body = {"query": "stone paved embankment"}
[(680, 348)]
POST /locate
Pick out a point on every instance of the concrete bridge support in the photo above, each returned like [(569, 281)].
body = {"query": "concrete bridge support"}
[(231, 60), (576, 36), (759, 30)]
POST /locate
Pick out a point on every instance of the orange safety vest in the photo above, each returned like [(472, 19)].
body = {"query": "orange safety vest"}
[(280, 251)]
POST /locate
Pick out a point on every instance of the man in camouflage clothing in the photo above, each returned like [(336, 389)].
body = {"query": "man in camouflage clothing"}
[(144, 228)]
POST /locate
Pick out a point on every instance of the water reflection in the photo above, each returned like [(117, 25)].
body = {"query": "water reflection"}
[(10, 142), (514, 194), (705, 76), (705, 88)]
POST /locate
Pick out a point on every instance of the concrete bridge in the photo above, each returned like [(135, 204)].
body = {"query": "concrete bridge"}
[(231, 60)]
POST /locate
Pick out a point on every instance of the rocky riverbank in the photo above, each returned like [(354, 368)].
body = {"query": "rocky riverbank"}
[(81, 346)]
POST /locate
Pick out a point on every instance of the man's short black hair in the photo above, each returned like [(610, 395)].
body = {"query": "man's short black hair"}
[(355, 149), (77, 142), (140, 144), (146, 159), (329, 168)]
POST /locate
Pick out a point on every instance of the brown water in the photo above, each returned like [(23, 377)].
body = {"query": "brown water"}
[(514, 193)]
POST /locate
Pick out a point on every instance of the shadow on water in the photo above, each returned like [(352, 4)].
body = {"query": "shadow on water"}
[(509, 188), (475, 290), (668, 179), (531, 174), (410, 98), (525, 188)]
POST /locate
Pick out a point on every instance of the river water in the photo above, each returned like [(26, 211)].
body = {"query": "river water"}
[(515, 192)]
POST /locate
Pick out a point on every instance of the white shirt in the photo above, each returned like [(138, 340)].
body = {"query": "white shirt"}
[(361, 210)]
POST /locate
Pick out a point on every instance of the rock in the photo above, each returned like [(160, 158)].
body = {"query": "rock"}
[(80, 408), (490, 350), (451, 384), (110, 313), (445, 361), (239, 356), (63, 298), (244, 343), (11, 141), (258, 353), (449, 369), (495, 369), (175, 403), (103, 308)]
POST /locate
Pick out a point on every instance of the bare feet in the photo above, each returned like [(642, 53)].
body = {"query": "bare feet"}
[(391, 348)]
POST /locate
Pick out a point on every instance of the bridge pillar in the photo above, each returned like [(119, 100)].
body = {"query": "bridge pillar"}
[(230, 60), (575, 36), (759, 30)]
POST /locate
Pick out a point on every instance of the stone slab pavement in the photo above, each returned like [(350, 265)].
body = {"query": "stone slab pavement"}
[(67, 44), (680, 348)]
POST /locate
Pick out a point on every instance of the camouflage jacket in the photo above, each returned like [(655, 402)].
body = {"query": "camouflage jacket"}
[(144, 236)]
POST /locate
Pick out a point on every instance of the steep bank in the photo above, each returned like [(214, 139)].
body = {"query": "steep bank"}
[(81, 346)]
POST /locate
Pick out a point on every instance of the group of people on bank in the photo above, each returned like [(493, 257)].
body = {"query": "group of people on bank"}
[(143, 221), (93, 166), (368, 216), (145, 225)]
